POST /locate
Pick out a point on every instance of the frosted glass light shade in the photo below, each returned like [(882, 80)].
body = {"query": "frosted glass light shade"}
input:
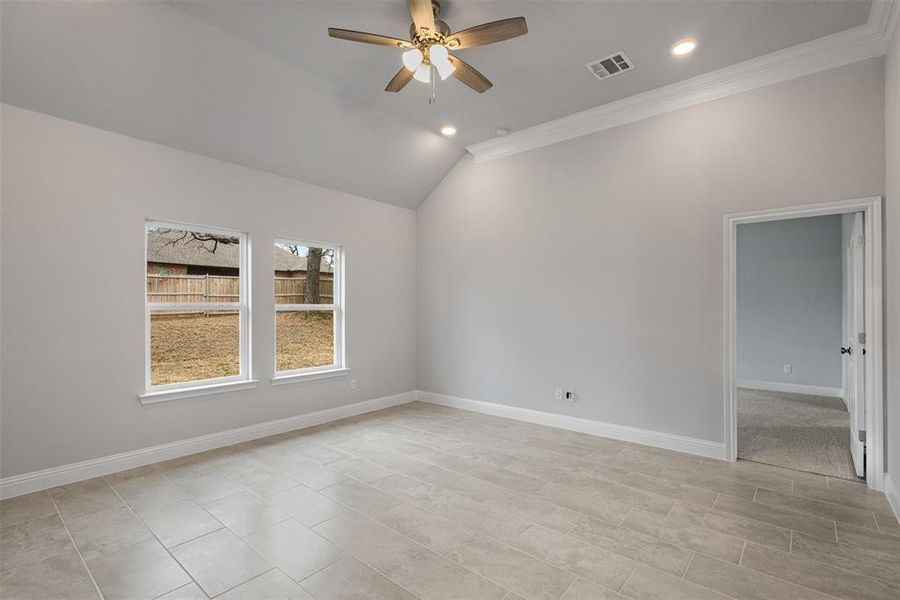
[(423, 73), (437, 53), (412, 59), (440, 58), (444, 69)]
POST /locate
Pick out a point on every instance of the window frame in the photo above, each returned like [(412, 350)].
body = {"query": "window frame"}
[(337, 307), (197, 387)]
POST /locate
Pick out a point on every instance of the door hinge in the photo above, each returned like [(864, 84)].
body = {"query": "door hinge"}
[(862, 435), (861, 338)]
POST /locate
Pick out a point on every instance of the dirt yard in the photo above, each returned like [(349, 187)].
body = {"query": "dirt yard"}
[(303, 339), (199, 347)]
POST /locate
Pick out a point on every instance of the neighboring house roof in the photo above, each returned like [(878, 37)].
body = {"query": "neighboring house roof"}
[(166, 247)]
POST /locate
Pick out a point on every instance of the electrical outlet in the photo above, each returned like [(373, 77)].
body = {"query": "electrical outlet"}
[(788, 368), (352, 384), (559, 393), (570, 396)]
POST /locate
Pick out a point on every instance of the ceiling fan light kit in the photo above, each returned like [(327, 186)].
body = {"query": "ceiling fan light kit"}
[(412, 59), (427, 57)]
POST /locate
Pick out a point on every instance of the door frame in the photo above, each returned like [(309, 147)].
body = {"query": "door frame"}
[(857, 312), (874, 368)]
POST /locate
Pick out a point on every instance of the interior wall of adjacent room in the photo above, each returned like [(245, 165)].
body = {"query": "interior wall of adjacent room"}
[(892, 259), (596, 264), (789, 301), (74, 203)]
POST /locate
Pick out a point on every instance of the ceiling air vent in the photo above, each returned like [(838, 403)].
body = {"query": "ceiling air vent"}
[(609, 66)]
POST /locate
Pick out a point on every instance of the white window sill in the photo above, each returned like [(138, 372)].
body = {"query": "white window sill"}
[(311, 376), (200, 390)]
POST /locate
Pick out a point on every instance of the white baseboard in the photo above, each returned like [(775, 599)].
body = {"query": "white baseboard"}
[(791, 388), (87, 469), (893, 495), (669, 441)]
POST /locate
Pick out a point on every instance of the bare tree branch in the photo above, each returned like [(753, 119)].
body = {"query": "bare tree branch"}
[(203, 239)]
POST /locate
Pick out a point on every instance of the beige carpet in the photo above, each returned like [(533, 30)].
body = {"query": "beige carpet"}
[(796, 431)]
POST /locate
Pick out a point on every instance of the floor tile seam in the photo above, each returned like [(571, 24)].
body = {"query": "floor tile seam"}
[(509, 440), (444, 555), (800, 585), (637, 562), (476, 533), (827, 565), (223, 592), (158, 541), (834, 503), (713, 508), (686, 523), (77, 549), (755, 520)]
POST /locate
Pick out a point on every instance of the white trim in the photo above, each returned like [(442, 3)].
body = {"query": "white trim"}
[(893, 495), (304, 307), (791, 388), (829, 52), (309, 376), (190, 388), (166, 395), (97, 467), (194, 306), (871, 208), (338, 309), (659, 439)]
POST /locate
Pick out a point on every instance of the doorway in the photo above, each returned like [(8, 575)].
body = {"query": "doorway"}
[(823, 411)]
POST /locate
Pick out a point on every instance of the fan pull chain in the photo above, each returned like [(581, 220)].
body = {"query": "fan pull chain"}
[(433, 98)]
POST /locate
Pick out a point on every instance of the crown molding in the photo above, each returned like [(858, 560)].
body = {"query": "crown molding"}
[(829, 52)]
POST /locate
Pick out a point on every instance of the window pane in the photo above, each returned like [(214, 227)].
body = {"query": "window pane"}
[(192, 266), (303, 274), (192, 345), (304, 339)]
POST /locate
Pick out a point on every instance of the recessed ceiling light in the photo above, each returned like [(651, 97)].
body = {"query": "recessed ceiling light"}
[(448, 130), (684, 47)]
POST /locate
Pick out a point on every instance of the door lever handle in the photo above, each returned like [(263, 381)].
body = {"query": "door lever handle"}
[(846, 351)]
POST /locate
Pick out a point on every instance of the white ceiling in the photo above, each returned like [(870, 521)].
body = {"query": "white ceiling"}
[(261, 84)]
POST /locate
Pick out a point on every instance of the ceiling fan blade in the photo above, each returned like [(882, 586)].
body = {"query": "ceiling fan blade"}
[(488, 33), (399, 81), (470, 76), (367, 38), (422, 14)]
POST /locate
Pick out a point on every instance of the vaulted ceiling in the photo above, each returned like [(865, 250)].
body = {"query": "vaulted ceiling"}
[(261, 84)]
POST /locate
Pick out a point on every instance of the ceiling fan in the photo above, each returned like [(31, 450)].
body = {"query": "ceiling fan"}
[(427, 55)]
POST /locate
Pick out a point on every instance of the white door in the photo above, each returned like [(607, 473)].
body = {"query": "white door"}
[(855, 350)]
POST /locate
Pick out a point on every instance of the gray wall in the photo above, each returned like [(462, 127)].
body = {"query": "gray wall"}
[(789, 300), (596, 264), (892, 257), (74, 203)]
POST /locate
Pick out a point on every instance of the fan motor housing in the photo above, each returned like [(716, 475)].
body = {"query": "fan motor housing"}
[(441, 27)]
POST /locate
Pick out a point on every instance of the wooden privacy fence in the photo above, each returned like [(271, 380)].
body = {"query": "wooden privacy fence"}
[(291, 290), (224, 288)]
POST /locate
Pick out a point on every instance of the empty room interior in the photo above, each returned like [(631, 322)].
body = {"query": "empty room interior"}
[(450, 300), (795, 309)]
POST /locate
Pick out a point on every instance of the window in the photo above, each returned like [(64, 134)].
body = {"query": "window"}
[(197, 318), (309, 321)]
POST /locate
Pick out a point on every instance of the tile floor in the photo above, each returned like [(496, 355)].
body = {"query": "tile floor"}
[(426, 502)]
